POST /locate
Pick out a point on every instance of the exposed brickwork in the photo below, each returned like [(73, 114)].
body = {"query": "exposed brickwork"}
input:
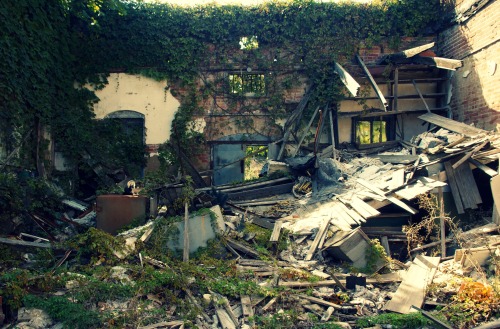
[(476, 86)]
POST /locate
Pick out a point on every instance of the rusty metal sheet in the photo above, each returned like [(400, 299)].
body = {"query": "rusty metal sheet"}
[(116, 211)]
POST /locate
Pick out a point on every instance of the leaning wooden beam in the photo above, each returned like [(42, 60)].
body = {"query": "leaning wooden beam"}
[(420, 95), (373, 83), (469, 154), (306, 132), (319, 236), (246, 250), (291, 120), (351, 84), (451, 125), (487, 170)]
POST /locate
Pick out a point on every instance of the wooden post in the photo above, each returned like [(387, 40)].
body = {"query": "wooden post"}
[(185, 257), (332, 135), (441, 222)]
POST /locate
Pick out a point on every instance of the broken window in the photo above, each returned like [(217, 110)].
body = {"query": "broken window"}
[(371, 131), (245, 83)]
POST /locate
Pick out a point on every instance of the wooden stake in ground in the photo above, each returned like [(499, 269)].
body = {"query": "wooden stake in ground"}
[(185, 257)]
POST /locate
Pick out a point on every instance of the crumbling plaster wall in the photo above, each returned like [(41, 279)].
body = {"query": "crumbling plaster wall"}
[(476, 92), (140, 94)]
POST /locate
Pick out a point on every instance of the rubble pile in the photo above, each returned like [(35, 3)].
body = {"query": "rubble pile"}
[(290, 252)]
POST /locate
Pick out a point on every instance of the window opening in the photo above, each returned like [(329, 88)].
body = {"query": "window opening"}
[(244, 83), (255, 160), (371, 131), (248, 43)]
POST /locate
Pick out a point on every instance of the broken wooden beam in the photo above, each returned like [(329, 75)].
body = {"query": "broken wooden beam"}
[(319, 236), (379, 93), (242, 248), (452, 125), (320, 301), (26, 243)]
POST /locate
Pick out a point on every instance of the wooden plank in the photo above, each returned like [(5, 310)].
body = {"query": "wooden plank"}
[(339, 213), (262, 192), (163, 324), (244, 249), (320, 301), (373, 83), (452, 125), (484, 168), (319, 236), (413, 288), (398, 179), (396, 158), (467, 185), (185, 254), (469, 154), (246, 305), (394, 200), (385, 243), (380, 279), (225, 319), (276, 231), (25, 243), (362, 208), (354, 217), (455, 192), (495, 189)]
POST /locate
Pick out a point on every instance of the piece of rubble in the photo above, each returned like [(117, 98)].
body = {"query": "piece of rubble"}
[(33, 318)]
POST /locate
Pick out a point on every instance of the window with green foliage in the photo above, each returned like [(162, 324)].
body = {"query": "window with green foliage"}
[(371, 131), (249, 42), (243, 83)]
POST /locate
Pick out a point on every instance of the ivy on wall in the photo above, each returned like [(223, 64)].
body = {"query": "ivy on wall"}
[(47, 45)]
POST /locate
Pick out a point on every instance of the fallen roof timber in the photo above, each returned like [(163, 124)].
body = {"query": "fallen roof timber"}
[(373, 83), (452, 125)]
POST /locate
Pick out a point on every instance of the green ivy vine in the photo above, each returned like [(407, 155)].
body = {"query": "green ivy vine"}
[(48, 45)]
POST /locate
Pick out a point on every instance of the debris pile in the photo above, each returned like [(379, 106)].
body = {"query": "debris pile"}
[(295, 252)]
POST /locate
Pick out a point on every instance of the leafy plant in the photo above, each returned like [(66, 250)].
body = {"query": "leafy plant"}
[(401, 321)]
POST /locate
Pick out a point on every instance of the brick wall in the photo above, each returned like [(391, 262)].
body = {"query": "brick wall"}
[(476, 85)]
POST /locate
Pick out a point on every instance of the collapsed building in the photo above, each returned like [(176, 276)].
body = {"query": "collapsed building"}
[(412, 122)]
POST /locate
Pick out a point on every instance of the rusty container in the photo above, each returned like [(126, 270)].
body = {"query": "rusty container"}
[(116, 211)]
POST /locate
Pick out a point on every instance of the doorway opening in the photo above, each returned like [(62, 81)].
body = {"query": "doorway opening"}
[(255, 160)]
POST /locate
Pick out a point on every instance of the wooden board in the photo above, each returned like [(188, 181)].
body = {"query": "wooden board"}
[(495, 190), (363, 208), (262, 192), (467, 186), (412, 290), (451, 125), (455, 191), (394, 200), (395, 158), (276, 231), (319, 236)]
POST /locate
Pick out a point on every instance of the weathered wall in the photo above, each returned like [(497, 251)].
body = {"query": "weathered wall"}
[(476, 92), (140, 94)]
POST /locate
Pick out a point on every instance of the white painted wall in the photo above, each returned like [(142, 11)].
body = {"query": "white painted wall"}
[(143, 95)]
